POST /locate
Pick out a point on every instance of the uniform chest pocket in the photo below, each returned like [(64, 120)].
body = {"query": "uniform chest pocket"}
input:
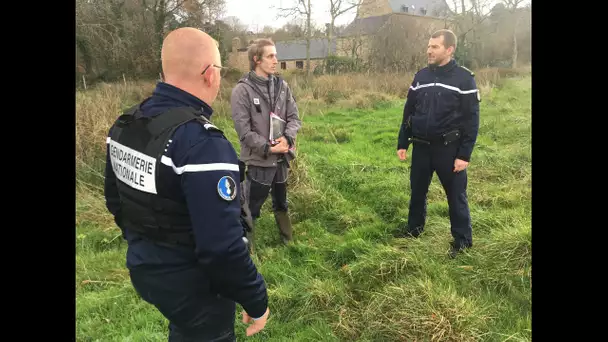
[(423, 100), (449, 100)]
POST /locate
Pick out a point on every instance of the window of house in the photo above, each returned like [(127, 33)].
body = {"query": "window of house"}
[(283, 65), (423, 11), (300, 64), (404, 8)]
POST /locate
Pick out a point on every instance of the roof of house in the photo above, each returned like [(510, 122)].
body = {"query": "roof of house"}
[(296, 49), (371, 25), (415, 6), (364, 26)]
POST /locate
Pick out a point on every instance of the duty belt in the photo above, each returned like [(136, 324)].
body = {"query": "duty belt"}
[(427, 141), (444, 139)]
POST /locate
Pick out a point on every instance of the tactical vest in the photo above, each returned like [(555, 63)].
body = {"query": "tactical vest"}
[(136, 148)]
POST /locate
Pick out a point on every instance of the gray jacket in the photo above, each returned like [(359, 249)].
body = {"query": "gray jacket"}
[(253, 127)]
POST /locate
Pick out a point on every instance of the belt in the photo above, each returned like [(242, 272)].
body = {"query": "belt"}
[(443, 139), (427, 141)]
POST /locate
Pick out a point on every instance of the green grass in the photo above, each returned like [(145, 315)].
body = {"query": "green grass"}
[(346, 278)]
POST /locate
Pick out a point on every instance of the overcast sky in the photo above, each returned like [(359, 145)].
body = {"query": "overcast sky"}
[(258, 13)]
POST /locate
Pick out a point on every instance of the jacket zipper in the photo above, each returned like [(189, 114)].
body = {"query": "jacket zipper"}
[(431, 107), (262, 95)]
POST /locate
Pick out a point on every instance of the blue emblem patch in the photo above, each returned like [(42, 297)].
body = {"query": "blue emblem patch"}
[(226, 187)]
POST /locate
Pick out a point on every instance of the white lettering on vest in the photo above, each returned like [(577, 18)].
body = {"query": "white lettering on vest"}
[(133, 168)]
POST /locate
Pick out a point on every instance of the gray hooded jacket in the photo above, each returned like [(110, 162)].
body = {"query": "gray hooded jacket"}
[(253, 126)]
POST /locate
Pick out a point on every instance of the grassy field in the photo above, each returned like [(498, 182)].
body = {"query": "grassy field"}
[(346, 278)]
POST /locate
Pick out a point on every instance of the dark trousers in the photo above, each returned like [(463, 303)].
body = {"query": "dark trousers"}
[(194, 314), (264, 180), (439, 158)]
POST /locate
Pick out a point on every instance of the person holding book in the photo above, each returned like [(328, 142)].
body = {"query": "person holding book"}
[(266, 120)]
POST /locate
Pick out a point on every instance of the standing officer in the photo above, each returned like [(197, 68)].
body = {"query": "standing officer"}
[(255, 98), (171, 184), (441, 118)]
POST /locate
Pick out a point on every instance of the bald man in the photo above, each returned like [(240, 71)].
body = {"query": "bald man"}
[(172, 182)]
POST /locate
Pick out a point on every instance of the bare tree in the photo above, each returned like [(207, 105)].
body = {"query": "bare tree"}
[(196, 10), (336, 9), (289, 31), (399, 45), (124, 36), (268, 30), (235, 24), (352, 45), (468, 20), (301, 7), (512, 6)]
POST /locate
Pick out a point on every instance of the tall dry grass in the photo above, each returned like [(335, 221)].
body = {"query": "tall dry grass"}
[(99, 106), (348, 193)]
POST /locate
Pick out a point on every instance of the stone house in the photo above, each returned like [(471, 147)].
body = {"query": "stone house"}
[(408, 19)]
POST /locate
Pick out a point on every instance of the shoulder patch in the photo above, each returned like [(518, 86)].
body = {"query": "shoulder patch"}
[(465, 68), (226, 188), (208, 125), (211, 127)]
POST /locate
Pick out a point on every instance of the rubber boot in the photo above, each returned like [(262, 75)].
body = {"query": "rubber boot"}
[(284, 224), (251, 238)]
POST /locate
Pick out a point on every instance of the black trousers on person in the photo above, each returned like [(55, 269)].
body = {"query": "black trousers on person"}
[(262, 181), (183, 297), (439, 158)]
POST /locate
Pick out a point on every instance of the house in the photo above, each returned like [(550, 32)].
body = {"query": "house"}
[(405, 18), (291, 54)]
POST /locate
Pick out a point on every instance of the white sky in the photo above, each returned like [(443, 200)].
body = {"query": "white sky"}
[(259, 13)]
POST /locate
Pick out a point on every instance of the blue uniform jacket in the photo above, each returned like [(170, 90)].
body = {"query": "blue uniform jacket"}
[(193, 163), (441, 99)]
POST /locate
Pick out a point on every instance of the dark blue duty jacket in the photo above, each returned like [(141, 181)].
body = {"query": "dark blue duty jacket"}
[(193, 163), (440, 100)]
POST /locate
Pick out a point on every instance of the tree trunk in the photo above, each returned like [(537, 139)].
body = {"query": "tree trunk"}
[(159, 26), (308, 36), (330, 34), (514, 55)]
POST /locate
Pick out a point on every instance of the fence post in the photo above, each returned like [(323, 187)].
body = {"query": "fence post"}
[(84, 82), (124, 79)]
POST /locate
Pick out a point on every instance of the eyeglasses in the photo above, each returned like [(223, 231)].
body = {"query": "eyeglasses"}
[(223, 70)]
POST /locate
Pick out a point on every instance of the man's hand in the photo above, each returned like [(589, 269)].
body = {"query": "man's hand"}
[(460, 165), (257, 325), (281, 147), (283, 139), (402, 154)]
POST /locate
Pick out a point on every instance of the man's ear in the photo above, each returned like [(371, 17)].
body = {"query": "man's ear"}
[(208, 78)]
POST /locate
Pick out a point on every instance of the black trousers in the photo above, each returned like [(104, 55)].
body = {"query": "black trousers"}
[(194, 314), (262, 181), (439, 158)]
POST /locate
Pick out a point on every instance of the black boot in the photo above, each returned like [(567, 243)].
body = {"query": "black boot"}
[(284, 224), (409, 233), (456, 248), (251, 238)]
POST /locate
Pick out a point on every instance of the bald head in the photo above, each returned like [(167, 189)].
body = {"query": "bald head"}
[(186, 52)]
